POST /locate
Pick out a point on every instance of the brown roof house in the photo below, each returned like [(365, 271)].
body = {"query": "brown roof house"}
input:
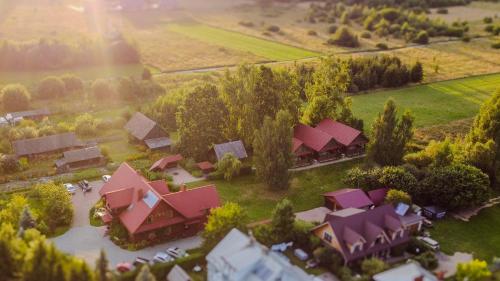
[(47, 144), (147, 131), (347, 198), (80, 158), (166, 162), (363, 234)]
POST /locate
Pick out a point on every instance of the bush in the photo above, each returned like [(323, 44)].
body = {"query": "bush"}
[(417, 72), (86, 125), (312, 33), (496, 45), (9, 164), (344, 37), (442, 11), (427, 260), (382, 46), (72, 83), (366, 35), (229, 166), (50, 88), (395, 197), (246, 23), (274, 28), (488, 20), (373, 266), (422, 38), (15, 97), (332, 29)]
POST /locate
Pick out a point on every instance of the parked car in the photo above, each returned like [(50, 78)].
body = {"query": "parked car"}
[(299, 253), (176, 252), (429, 242), (140, 261), (123, 267), (70, 188), (162, 257), (106, 178), (85, 186)]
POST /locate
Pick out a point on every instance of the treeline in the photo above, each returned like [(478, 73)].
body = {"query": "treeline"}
[(423, 4), (50, 54)]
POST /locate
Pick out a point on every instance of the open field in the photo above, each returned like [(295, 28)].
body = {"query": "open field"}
[(305, 192), (479, 236), (431, 104)]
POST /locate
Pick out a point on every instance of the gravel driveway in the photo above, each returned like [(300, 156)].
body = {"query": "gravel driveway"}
[(86, 241)]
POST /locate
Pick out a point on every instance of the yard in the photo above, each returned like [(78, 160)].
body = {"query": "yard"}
[(431, 104), (480, 236)]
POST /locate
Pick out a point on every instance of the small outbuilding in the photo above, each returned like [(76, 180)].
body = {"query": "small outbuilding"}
[(148, 132), (45, 145), (206, 167), (433, 212), (79, 159), (235, 147), (166, 162), (347, 198)]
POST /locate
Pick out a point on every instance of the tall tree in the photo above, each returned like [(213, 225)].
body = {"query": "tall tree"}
[(220, 221), (201, 120), (101, 267), (15, 97), (273, 151), (26, 221), (283, 220), (390, 136)]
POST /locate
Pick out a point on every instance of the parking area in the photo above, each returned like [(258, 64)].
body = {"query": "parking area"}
[(86, 241), (180, 175)]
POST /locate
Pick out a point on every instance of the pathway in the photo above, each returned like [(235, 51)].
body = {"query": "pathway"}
[(321, 164)]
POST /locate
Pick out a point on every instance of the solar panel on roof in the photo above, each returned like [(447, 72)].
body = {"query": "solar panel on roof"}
[(150, 199), (401, 209)]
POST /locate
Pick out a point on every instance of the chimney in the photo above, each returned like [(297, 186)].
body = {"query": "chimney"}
[(420, 278), (140, 193), (183, 187)]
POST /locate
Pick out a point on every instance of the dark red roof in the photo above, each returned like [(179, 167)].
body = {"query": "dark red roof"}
[(350, 198), (312, 137), (119, 198), (205, 165), (378, 195), (160, 186), (365, 227), (194, 202), (296, 143), (165, 161), (342, 133)]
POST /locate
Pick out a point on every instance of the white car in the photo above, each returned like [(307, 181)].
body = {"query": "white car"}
[(162, 257), (70, 188), (106, 178), (176, 252), (431, 243)]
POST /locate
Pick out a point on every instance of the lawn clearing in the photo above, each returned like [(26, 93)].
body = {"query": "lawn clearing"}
[(238, 41), (432, 104), (305, 192), (480, 236)]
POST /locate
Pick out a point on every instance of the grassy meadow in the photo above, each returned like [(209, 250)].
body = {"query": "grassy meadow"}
[(432, 104)]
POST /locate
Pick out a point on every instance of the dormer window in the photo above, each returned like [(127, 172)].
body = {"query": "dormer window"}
[(358, 246)]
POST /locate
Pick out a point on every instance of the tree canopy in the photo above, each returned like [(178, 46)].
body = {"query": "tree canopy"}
[(15, 97)]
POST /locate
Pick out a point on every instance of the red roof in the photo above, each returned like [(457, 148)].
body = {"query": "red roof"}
[(378, 195), (313, 138), (160, 186), (205, 165), (350, 198), (165, 161), (342, 133), (119, 198), (296, 144), (194, 202)]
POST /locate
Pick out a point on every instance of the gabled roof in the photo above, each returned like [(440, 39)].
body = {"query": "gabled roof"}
[(119, 198), (365, 226), (46, 144), (342, 133), (311, 137), (140, 125), (350, 198), (165, 161), (158, 143), (378, 195), (194, 202), (296, 143), (235, 147), (160, 186), (83, 154)]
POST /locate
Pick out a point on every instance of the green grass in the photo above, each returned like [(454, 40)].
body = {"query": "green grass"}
[(480, 236), (431, 104), (238, 41), (305, 192)]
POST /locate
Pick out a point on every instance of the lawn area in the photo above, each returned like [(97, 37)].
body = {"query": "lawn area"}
[(480, 236), (238, 41), (305, 192), (432, 104)]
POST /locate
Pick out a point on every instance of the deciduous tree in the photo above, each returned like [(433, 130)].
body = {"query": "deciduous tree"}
[(15, 97), (283, 221), (220, 221)]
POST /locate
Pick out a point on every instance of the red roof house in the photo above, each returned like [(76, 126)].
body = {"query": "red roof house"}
[(353, 140), (371, 233), (166, 162), (378, 195), (148, 210), (347, 198), (318, 142)]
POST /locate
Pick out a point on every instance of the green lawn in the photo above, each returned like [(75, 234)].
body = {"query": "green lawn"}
[(480, 236), (238, 41), (432, 104), (305, 192)]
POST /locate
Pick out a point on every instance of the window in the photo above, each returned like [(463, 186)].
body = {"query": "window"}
[(327, 237)]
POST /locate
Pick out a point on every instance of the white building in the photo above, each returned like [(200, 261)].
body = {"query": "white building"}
[(407, 272), (240, 258)]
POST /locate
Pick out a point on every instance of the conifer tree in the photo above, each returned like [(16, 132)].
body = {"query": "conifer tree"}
[(283, 220), (145, 274), (102, 267)]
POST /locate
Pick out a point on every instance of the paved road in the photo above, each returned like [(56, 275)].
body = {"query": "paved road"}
[(86, 241)]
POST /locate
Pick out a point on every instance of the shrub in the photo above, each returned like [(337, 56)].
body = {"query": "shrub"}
[(332, 29), (489, 28), (417, 72), (274, 28), (422, 38), (373, 266), (366, 35), (466, 39), (9, 164), (488, 20), (496, 45), (102, 90), (72, 83), (427, 260), (229, 166), (246, 23), (312, 33), (395, 196), (344, 37), (382, 46), (15, 97), (51, 87), (86, 125), (442, 11)]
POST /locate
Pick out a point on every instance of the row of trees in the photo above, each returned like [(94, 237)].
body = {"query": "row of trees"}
[(50, 54)]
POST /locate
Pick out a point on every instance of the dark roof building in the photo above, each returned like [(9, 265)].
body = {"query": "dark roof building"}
[(370, 233), (80, 158), (235, 147), (347, 198), (29, 114), (312, 138), (48, 144), (148, 131)]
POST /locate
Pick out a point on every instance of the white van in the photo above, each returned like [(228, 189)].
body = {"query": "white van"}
[(431, 243)]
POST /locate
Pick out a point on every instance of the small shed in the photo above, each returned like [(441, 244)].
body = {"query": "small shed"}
[(142, 128), (378, 195), (80, 158), (166, 162), (433, 212), (235, 147), (206, 167)]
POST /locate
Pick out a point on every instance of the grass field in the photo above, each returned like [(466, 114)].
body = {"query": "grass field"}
[(432, 104), (234, 40), (480, 236), (305, 192)]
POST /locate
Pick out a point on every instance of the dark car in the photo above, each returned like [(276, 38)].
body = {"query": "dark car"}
[(85, 185)]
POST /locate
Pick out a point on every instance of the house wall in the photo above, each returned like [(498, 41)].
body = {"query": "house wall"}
[(326, 228), (156, 132)]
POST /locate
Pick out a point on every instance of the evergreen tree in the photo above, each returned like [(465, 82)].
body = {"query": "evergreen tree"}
[(26, 221), (101, 267), (417, 72), (7, 262), (145, 274), (272, 151), (390, 136), (283, 220)]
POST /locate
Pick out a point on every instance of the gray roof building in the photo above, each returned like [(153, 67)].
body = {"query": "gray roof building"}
[(238, 257), (148, 131), (37, 113), (235, 147), (78, 155), (47, 144)]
